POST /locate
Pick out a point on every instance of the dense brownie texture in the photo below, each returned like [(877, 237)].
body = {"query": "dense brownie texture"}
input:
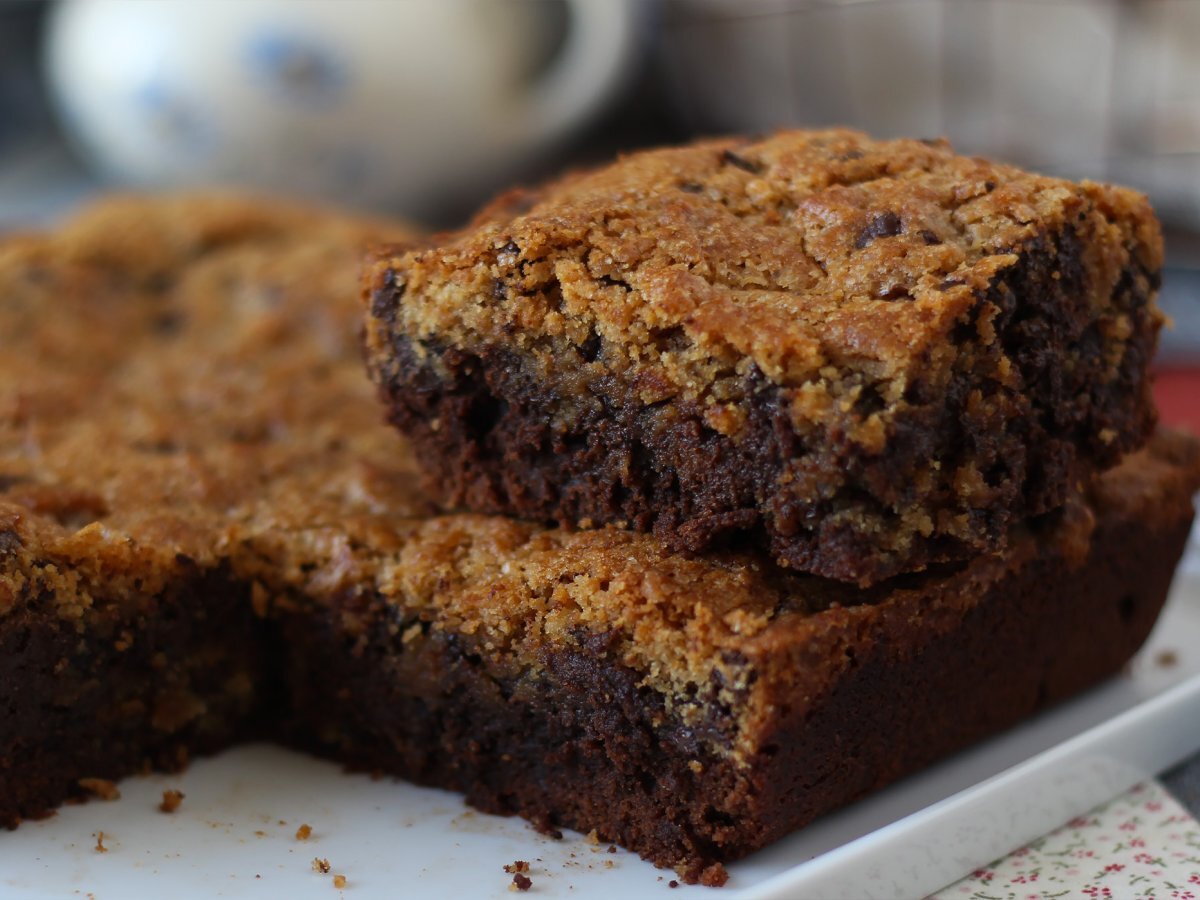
[(870, 356), (207, 534)]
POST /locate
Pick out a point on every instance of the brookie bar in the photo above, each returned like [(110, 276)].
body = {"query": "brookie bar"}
[(869, 356)]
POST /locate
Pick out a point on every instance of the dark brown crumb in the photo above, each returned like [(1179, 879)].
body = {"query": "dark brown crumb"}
[(304, 832), (171, 800), (100, 848), (672, 883), (521, 882), (321, 865), (612, 848), (518, 865), (100, 787), (1167, 659), (339, 881)]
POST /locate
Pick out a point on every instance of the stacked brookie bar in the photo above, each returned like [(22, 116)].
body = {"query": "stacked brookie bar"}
[(871, 398)]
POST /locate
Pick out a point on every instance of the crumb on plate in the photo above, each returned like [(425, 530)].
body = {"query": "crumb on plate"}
[(171, 799), (521, 882), (100, 787)]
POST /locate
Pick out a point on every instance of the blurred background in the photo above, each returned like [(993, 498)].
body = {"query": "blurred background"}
[(426, 107)]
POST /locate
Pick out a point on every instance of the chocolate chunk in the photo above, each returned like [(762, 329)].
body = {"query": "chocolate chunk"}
[(10, 542), (387, 297), (885, 224), (740, 162), (590, 348)]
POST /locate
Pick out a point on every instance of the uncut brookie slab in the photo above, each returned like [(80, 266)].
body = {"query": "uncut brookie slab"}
[(206, 534), (869, 355)]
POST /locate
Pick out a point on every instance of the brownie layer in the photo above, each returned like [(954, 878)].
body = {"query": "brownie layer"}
[(864, 400), (907, 676), (185, 674)]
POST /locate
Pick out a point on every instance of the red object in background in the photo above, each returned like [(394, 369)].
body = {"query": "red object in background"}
[(1177, 392)]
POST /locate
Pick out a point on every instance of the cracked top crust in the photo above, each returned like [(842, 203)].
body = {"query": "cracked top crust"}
[(836, 265)]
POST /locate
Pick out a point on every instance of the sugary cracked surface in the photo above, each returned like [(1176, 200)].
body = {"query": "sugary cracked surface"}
[(874, 354)]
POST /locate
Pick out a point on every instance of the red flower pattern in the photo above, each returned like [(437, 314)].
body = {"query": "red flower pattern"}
[(1164, 854)]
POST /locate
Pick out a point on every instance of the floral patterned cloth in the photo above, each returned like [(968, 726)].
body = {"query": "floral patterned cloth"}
[(1143, 844)]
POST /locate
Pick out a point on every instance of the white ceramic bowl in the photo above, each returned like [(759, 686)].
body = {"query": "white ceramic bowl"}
[(398, 104)]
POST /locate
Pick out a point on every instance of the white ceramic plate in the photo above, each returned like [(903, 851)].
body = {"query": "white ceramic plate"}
[(234, 835)]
